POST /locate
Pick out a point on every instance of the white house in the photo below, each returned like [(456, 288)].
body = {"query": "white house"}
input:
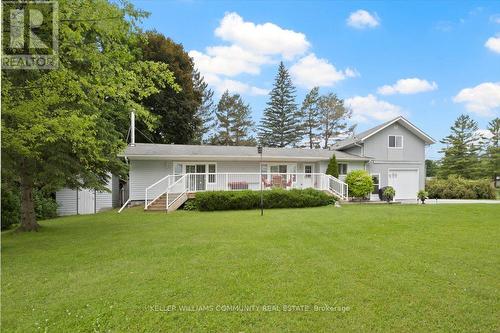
[(162, 176)]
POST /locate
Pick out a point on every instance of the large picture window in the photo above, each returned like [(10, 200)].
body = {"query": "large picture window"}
[(395, 141)]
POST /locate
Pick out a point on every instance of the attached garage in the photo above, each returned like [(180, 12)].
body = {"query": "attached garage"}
[(405, 183)]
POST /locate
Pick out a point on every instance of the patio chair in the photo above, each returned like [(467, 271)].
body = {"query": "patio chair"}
[(266, 182)]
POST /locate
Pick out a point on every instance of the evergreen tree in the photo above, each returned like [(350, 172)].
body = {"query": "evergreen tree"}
[(280, 125), (431, 168), (333, 167), (493, 149), (234, 121), (310, 116), (205, 114), (461, 154), (333, 118)]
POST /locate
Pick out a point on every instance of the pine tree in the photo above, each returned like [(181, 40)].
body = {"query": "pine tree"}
[(234, 121), (333, 118), (461, 154), (333, 167), (493, 149), (310, 117), (205, 114), (280, 125)]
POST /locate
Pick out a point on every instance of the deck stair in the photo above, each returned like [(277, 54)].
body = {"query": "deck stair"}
[(161, 205)]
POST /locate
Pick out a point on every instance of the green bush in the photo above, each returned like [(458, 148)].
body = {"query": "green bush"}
[(190, 205), (360, 183), (459, 188), (275, 198), (422, 195), (389, 193), (45, 206)]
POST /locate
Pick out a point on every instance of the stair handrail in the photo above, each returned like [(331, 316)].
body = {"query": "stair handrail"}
[(168, 178), (172, 185), (344, 192)]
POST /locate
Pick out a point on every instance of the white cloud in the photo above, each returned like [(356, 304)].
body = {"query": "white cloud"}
[(408, 86), (361, 19), (483, 99), (228, 60), (493, 43), (266, 39), (495, 18), (233, 86), (365, 108), (485, 133), (311, 71)]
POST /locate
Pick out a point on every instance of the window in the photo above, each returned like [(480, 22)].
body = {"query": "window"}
[(308, 170), (211, 173), (395, 141), (342, 168), (376, 183), (178, 168)]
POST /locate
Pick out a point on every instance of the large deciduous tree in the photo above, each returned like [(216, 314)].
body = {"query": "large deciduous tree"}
[(462, 148), (333, 119), (311, 117), (280, 125), (176, 111), (233, 121), (65, 127)]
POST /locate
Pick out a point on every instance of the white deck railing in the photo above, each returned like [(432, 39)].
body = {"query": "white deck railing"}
[(174, 186)]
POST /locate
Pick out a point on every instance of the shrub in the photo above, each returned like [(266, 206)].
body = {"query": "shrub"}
[(333, 167), (190, 205), (459, 188), (360, 183), (388, 194), (275, 198), (45, 206), (422, 195)]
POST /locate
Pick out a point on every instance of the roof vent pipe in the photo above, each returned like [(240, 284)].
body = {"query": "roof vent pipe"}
[(132, 128)]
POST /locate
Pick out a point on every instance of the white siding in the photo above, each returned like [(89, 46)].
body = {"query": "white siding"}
[(66, 202), (144, 173)]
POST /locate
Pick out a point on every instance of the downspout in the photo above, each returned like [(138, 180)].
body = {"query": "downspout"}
[(132, 128)]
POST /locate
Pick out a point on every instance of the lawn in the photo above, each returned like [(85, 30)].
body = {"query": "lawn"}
[(356, 268)]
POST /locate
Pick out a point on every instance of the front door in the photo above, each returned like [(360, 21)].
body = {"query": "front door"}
[(308, 177)]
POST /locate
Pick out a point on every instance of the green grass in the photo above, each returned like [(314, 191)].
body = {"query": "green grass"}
[(393, 268)]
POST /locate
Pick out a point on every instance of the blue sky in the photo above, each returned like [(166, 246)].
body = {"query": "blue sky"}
[(429, 60)]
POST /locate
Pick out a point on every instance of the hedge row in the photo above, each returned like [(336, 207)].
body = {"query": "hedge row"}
[(459, 188), (275, 198)]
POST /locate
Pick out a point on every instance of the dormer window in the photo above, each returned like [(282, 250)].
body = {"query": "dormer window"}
[(396, 141)]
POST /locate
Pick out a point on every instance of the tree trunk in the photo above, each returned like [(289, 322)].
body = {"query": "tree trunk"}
[(28, 218)]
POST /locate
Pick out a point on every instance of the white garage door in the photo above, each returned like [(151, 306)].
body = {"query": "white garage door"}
[(405, 182)]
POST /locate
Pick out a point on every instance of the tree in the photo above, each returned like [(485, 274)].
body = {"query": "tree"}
[(333, 118), (431, 168), (205, 113), (310, 114), (233, 121), (280, 125), (65, 127), (461, 154), (176, 111), (493, 149), (333, 167)]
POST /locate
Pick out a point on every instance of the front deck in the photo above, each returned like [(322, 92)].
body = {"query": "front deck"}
[(170, 192)]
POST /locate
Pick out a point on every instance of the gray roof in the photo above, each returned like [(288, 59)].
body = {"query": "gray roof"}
[(199, 152), (361, 136)]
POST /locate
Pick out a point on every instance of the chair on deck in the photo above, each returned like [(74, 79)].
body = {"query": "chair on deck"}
[(266, 182)]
